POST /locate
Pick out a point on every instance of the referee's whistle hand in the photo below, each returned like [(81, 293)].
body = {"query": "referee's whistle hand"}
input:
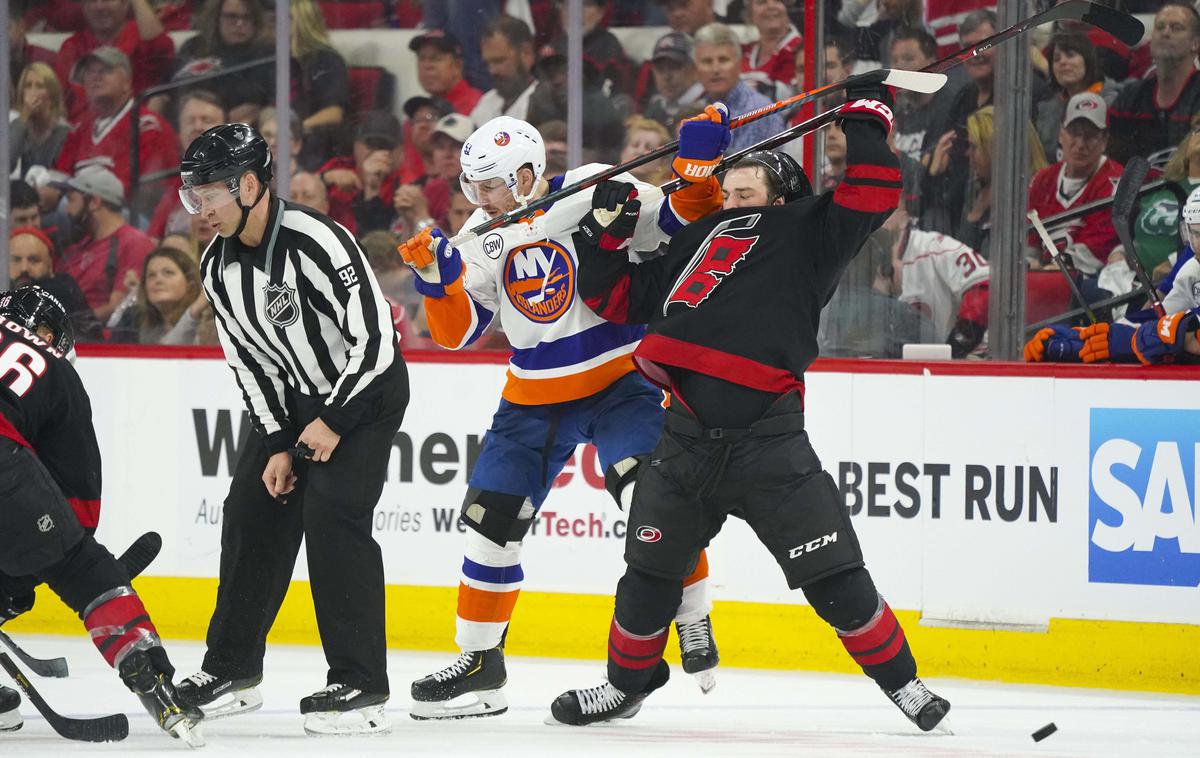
[(278, 476), (321, 439)]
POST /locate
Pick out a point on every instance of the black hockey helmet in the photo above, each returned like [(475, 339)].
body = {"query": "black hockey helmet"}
[(225, 153), (32, 306), (785, 178)]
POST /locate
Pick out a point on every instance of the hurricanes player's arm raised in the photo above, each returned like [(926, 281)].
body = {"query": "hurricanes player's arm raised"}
[(460, 298), (870, 190)]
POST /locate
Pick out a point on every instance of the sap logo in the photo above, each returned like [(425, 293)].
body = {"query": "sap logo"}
[(1142, 500), (812, 545)]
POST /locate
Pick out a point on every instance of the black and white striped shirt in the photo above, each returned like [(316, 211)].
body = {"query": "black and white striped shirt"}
[(301, 312)]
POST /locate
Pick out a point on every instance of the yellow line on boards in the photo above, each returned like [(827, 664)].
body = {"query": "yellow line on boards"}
[(1081, 653)]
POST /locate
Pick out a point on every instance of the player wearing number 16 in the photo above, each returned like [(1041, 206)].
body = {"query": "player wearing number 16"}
[(309, 337)]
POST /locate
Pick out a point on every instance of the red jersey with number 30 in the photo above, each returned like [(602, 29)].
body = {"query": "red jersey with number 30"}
[(44, 407)]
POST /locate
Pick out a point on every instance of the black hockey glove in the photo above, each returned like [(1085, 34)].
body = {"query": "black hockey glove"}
[(614, 215), (16, 597), (872, 104)]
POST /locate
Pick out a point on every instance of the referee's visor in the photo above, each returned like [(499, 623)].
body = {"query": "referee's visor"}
[(212, 196)]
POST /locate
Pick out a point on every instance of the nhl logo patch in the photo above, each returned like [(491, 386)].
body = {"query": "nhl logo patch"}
[(279, 305)]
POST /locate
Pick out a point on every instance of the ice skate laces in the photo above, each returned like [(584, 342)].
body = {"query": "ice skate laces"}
[(201, 679), (599, 699), (912, 697), (456, 669), (693, 636)]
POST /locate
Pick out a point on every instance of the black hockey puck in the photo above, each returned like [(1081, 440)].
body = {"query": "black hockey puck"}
[(1044, 732)]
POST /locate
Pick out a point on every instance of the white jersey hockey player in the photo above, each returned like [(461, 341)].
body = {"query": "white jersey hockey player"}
[(571, 380)]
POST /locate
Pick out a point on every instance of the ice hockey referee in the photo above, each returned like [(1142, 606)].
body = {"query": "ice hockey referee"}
[(309, 337)]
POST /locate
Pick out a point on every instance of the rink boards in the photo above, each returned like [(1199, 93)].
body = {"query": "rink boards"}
[(1028, 524)]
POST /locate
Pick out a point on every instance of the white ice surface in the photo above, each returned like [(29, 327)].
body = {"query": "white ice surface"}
[(751, 713)]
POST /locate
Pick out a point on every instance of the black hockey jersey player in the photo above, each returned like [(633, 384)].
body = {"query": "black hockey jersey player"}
[(738, 295), (44, 407)]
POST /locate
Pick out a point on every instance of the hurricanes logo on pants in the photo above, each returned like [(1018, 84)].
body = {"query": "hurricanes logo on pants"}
[(648, 534)]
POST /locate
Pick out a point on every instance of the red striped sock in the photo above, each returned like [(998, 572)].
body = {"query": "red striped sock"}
[(119, 624), (877, 642), (635, 651)]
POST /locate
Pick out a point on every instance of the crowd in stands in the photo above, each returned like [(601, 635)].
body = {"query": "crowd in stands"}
[(111, 237)]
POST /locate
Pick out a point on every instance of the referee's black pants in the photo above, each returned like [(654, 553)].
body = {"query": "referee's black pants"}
[(332, 508)]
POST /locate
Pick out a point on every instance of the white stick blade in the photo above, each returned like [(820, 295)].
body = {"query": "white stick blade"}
[(915, 81)]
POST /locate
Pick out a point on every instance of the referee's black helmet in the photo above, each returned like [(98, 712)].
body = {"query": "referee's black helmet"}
[(785, 178), (226, 152), (32, 306)]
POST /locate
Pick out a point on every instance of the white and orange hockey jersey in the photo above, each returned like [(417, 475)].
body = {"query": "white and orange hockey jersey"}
[(527, 273), (936, 271)]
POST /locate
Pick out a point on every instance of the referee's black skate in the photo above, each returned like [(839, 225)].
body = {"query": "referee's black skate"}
[(340, 709), (10, 717), (698, 651), (923, 708), (218, 696), (603, 703), (145, 674), (477, 677)]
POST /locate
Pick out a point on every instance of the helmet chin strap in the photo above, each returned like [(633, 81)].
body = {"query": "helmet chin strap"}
[(262, 190)]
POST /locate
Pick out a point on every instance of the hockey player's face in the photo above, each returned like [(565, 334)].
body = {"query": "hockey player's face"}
[(745, 188)]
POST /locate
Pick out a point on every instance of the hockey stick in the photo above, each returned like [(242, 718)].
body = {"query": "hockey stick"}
[(112, 728), (48, 668), (916, 81), (135, 559), (1056, 256), (1124, 215), (1121, 25), (1099, 305)]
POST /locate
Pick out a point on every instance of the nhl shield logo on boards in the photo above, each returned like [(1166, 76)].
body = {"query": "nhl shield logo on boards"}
[(279, 305)]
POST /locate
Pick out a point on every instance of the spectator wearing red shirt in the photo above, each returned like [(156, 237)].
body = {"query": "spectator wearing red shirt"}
[(426, 201), (142, 39), (110, 248), (103, 137), (356, 184), (768, 65), (1083, 175), (199, 111), (440, 69), (423, 114), (20, 52)]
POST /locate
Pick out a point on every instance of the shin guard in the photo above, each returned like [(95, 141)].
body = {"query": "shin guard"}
[(119, 624)]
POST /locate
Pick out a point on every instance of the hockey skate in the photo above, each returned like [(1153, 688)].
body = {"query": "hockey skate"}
[(340, 709), (698, 650), (10, 717), (603, 703), (923, 708), (146, 678), (475, 679), (218, 697)]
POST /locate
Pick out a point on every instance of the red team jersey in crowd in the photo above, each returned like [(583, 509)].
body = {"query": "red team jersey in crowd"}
[(99, 266), (105, 142), (150, 60), (780, 67), (44, 407), (1094, 231)]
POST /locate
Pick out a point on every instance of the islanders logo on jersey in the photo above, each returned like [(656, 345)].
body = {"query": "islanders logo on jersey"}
[(539, 279)]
